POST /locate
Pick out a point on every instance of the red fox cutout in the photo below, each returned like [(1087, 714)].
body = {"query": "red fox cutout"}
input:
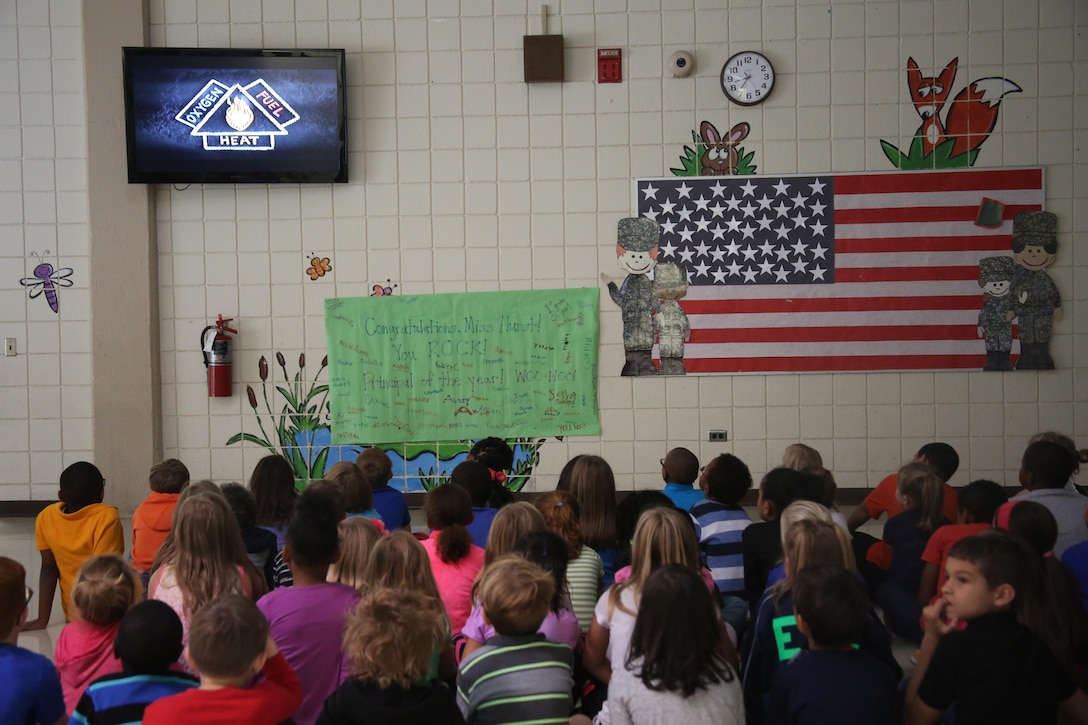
[(972, 116)]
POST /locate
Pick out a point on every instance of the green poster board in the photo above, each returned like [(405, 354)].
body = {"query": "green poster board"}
[(457, 366)]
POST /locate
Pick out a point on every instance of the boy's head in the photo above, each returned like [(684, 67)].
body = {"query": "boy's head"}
[(516, 595), (149, 638), (831, 605), (13, 596), (1031, 521), (355, 491), (313, 536), (979, 501), (799, 456), (941, 456), (228, 638), (725, 479), (169, 476), (475, 478), (375, 466), (1046, 464), (988, 573), (81, 484), (680, 466), (779, 488), (242, 503), (390, 636), (495, 453), (105, 589)]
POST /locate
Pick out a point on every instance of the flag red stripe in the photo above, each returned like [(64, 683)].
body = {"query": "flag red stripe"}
[(926, 181), (987, 243), (901, 274), (911, 214), (833, 364), (861, 333), (831, 304)]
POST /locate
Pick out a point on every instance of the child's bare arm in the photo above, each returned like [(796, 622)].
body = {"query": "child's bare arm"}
[(1074, 709), (595, 656), (857, 517), (47, 589), (916, 710), (928, 587)]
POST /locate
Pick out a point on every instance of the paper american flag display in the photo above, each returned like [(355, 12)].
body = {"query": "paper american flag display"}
[(835, 272)]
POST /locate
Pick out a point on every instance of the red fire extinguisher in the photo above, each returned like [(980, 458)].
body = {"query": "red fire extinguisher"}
[(217, 358)]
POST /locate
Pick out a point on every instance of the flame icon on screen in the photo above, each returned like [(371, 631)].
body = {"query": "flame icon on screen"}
[(239, 115)]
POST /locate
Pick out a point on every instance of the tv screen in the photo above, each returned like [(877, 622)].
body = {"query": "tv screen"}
[(218, 115)]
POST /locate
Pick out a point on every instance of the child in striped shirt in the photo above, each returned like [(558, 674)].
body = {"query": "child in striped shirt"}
[(719, 525), (517, 675)]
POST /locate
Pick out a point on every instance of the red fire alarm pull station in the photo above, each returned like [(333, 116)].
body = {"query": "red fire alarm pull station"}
[(609, 65)]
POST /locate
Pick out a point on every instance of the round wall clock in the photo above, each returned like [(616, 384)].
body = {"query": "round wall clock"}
[(747, 78)]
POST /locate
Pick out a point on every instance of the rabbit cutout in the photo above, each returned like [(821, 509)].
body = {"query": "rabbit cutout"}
[(720, 158)]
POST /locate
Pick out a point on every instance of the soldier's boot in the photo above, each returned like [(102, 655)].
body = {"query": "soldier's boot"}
[(1045, 361), (991, 361), (1029, 357), (672, 366), (630, 367), (1002, 360), (646, 363)]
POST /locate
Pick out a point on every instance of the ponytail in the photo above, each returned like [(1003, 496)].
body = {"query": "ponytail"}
[(922, 484), (448, 510)]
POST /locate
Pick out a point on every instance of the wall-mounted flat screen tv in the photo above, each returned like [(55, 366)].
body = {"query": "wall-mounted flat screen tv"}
[(233, 116)]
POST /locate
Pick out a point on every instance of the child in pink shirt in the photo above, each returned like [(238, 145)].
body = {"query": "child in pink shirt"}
[(455, 560), (104, 590)]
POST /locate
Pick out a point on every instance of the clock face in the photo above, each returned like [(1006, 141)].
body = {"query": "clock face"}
[(747, 78)]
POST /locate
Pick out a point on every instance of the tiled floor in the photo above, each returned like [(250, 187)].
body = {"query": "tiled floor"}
[(17, 542)]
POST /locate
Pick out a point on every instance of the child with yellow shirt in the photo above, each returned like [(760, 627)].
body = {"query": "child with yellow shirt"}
[(71, 531)]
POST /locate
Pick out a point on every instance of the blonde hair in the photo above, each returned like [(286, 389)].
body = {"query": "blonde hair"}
[(799, 456), (168, 550), (563, 516), (390, 637), (209, 554), (1080, 455), (509, 523), (922, 484), (401, 562), (357, 540), (516, 595), (663, 535), (106, 587), (801, 511), (593, 486), (810, 542)]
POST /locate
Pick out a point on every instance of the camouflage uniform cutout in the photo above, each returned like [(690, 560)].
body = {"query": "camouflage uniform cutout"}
[(636, 250), (1036, 301), (670, 320), (995, 277)]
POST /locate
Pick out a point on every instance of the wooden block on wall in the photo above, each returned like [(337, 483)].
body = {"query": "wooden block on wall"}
[(543, 58)]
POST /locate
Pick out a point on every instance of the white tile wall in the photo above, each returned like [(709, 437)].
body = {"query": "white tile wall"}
[(464, 178)]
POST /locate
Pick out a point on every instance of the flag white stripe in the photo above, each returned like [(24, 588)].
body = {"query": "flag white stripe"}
[(726, 572), (890, 318), (901, 230), (892, 200), (842, 290), (910, 259), (906, 348)]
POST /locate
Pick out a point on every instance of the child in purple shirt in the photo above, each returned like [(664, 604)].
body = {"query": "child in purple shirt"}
[(547, 550), (307, 620)]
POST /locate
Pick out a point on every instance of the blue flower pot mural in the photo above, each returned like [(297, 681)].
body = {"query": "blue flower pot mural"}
[(301, 434)]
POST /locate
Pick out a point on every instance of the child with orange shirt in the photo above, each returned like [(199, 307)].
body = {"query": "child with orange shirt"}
[(71, 531), (152, 518)]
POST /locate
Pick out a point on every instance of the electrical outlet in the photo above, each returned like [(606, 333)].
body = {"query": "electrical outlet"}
[(717, 436), (9, 346)]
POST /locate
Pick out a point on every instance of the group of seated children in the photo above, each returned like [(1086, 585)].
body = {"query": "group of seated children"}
[(667, 606)]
